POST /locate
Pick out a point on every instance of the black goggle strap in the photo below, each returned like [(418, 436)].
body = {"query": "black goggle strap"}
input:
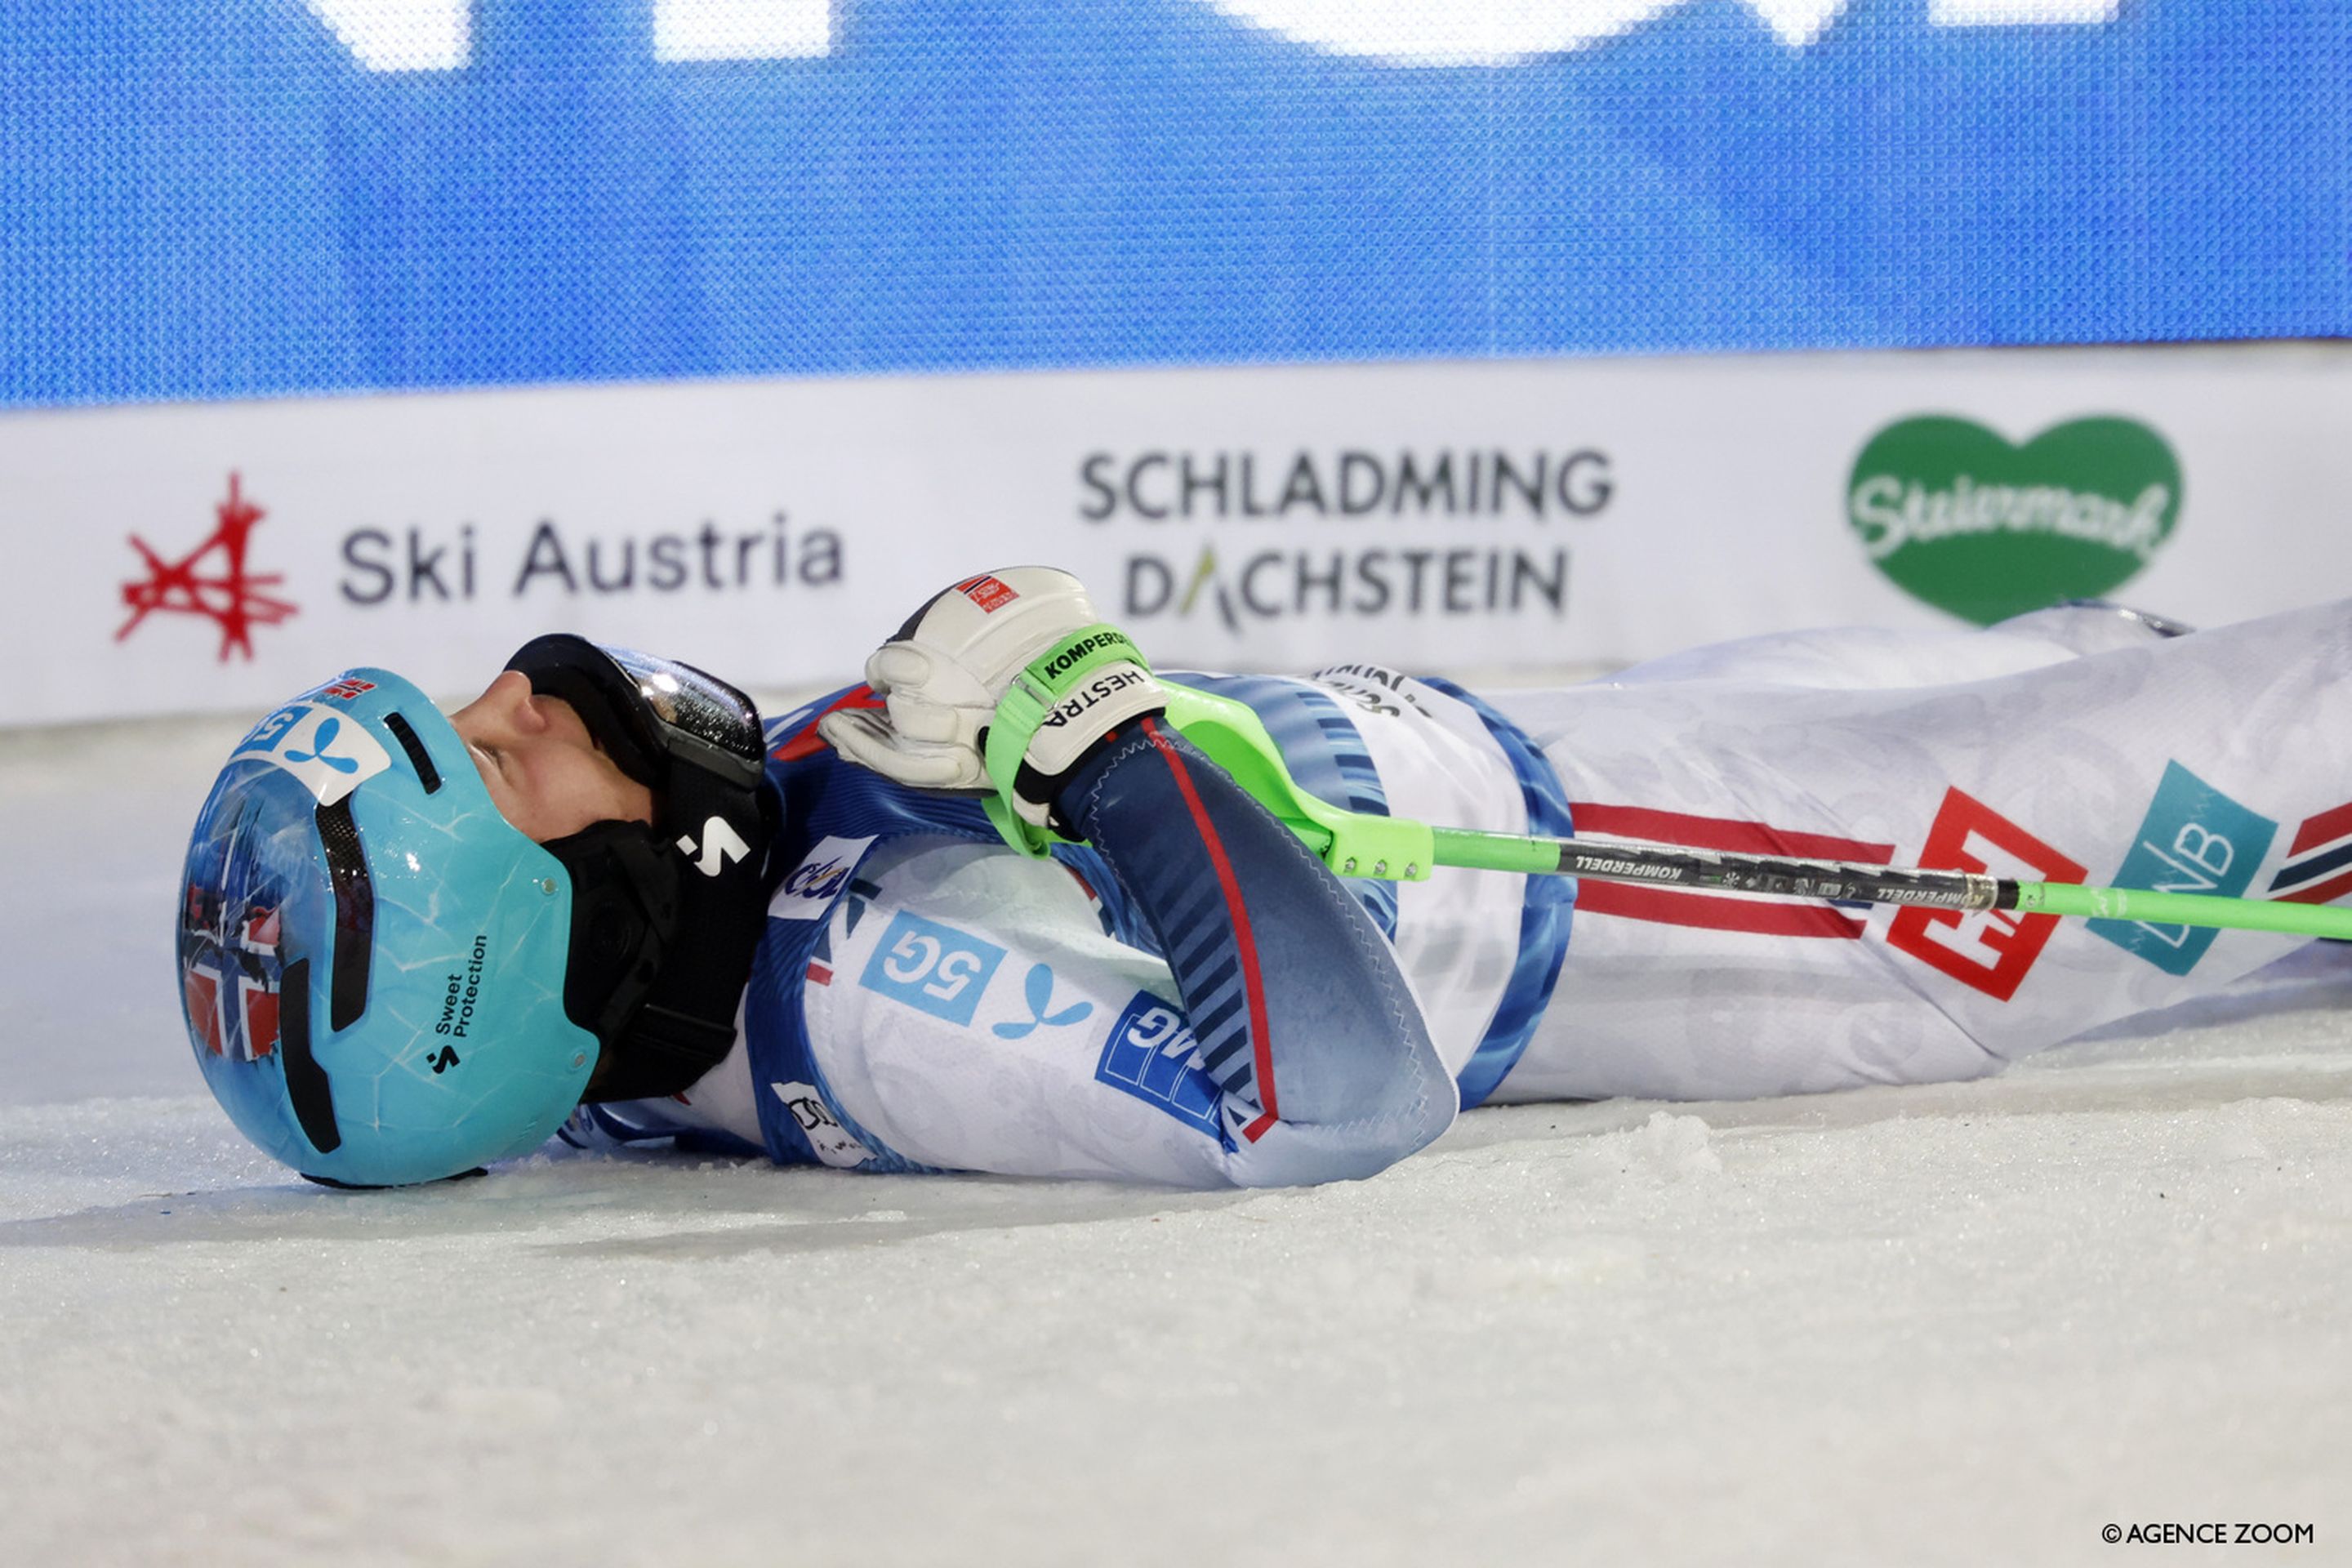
[(687, 1023), (625, 916), (699, 912), (661, 1014)]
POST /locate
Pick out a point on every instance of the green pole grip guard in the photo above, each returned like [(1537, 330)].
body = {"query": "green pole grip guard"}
[(1350, 843), (1480, 851)]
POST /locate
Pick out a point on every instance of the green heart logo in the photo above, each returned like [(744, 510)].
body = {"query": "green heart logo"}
[(1957, 516)]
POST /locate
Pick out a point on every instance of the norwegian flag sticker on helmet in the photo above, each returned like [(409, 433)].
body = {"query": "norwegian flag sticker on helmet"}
[(991, 594)]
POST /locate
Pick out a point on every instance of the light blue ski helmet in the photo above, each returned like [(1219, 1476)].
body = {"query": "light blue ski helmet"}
[(372, 960), (386, 983)]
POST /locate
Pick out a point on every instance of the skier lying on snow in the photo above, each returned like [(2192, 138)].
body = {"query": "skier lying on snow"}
[(411, 944)]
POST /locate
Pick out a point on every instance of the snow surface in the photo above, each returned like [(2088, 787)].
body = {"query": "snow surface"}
[(1963, 1324)]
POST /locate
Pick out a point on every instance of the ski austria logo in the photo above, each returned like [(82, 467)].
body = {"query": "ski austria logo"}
[(211, 581), (1961, 518), (1481, 33)]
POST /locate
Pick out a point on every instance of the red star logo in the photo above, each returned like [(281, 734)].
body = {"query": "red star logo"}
[(230, 596)]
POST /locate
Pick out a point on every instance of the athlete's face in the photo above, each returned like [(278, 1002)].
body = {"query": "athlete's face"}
[(544, 769)]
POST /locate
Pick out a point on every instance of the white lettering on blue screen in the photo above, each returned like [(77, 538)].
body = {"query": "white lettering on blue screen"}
[(437, 35), (1479, 32)]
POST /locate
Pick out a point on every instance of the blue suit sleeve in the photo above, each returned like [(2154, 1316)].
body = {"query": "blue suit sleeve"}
[(1303, 1019)]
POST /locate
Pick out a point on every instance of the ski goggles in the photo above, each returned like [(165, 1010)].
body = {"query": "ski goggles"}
[(652, 715)]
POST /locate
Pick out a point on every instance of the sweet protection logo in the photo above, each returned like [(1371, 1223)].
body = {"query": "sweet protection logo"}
[(720, 844), (212, 581), (1958, 516)]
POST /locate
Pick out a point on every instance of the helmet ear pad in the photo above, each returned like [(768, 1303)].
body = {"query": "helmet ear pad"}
[(625, 911)]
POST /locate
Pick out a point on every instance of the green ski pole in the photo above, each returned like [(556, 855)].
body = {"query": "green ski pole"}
[(1625, 860), (1400, 850)]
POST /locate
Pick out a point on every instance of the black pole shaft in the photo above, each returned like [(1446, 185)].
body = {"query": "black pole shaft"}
[(1782, 877)]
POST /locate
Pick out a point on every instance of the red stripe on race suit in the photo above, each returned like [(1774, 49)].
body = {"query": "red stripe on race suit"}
[(1710, 912), (805, 742), (1245, 943), (2327, 825), (1721, 833)]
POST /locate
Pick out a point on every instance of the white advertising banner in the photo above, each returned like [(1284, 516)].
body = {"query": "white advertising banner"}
[(1439, 515)]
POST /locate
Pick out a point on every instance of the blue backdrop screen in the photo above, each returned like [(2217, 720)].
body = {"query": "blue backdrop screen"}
[(266, 197)]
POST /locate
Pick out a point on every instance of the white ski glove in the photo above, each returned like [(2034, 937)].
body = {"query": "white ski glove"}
[(1001, 684)]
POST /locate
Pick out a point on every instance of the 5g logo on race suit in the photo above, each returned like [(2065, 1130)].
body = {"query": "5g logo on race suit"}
[(944, 972), (931, 967)]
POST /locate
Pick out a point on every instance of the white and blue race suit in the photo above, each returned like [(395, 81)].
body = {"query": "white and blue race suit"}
[(1191, 998), (1186, 996)]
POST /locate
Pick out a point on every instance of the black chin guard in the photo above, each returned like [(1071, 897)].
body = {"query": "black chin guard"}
[(665, 918)]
